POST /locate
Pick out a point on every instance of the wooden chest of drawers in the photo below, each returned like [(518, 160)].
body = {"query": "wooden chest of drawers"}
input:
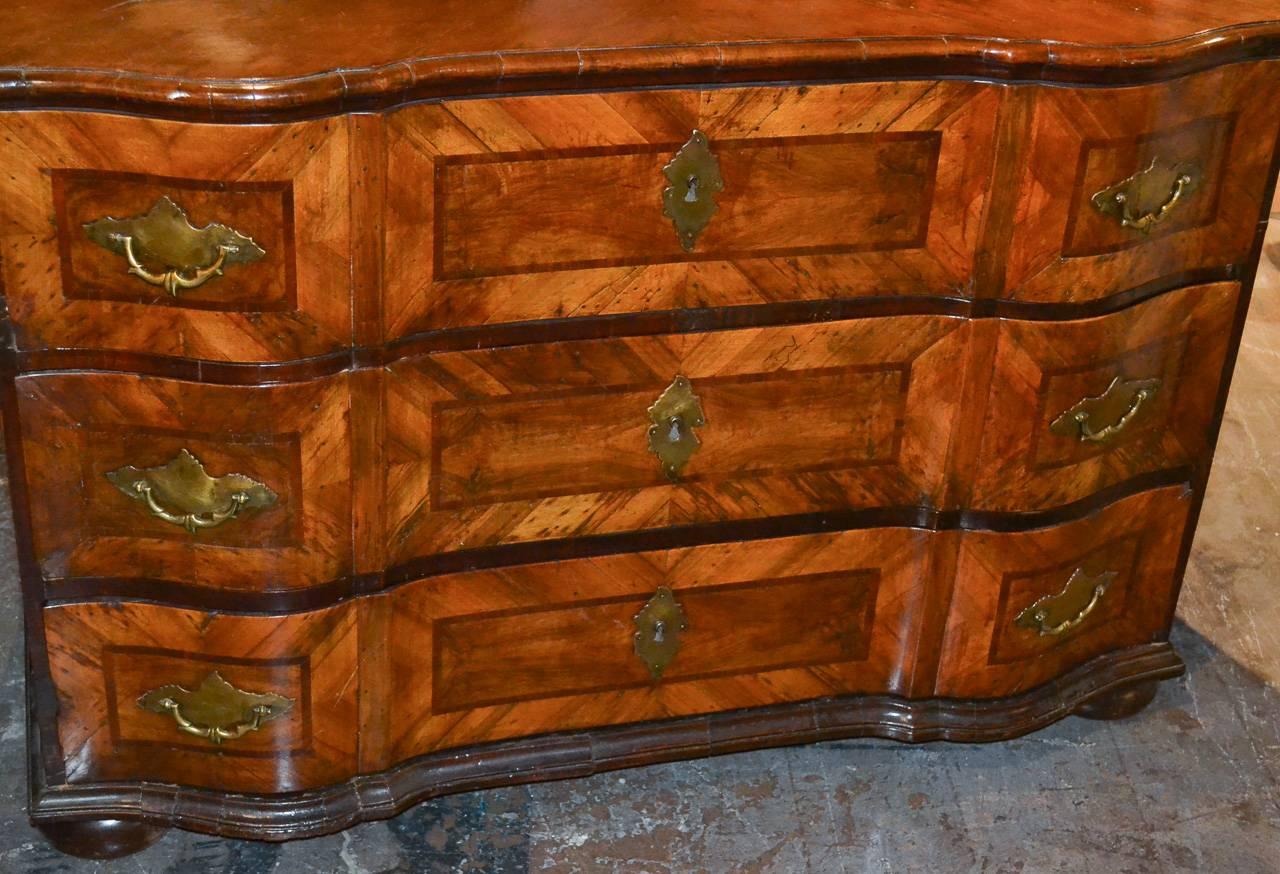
[(580, 391)]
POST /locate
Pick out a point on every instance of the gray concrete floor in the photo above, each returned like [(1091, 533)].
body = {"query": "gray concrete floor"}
[(1190, 785)]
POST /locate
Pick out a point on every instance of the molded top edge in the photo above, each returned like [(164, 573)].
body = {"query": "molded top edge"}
[(226, 61)]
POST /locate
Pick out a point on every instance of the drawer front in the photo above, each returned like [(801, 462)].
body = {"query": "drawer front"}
[(536, 442), (551, 647), (90, 439), (1145, 380), (547, 207), (114, 666), (1027, 607), (203, 241), (1084, 146)]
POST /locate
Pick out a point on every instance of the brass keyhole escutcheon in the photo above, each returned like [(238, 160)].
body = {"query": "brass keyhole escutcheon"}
[(660, 624), (693, 178), (672, 418)]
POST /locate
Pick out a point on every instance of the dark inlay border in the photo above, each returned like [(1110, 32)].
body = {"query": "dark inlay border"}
[(863, 583), (63, 590), (797, 380), (1219, 131), (301, 662), (932, 139), (150, 296), (688, 321), (583, 753)]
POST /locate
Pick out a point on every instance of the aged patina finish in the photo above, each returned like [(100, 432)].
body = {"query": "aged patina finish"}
[(182, 493), (181, 255), (216, 710), (1057, 614), (1101, 418), (1149, 196)]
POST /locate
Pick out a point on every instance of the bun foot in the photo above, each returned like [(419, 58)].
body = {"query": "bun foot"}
[(1120, 703), (100, 838)]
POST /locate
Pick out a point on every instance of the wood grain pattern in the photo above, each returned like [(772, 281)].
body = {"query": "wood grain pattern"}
[(998, 575), (1042, 369), (105, 656), (284, 185), (549, 207), (1079, 141), (592, 751), (303, 60), (537, 442), (295, 439), (546, 647)]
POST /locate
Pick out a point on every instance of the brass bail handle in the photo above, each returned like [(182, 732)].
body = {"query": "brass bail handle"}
[(1160, 182), (191, 521), (215, 710), (1124, 402), (1146, 220), (216, 734), (1055, 615), (1086, 430), (191, 256), (204, 501), (172, 281)]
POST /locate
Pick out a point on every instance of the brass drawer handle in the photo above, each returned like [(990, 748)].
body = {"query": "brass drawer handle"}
[(1057, 614), (673, 416), (202, 501), (1162, 184), (689, 200), (172, 280), (659, 627), (1123, 401), (216, 711), (191, 256)]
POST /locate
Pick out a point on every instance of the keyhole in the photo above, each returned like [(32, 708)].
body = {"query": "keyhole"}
[(674, 435), (659, 631), (691, 193)]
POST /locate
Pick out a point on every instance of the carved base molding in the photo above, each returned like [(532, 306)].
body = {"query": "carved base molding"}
[(1090, 689)]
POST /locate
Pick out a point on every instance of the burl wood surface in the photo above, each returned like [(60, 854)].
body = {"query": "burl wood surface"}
[(105, 656), (549, 207), (293, 438), (286, 186), (1070, 143), (546, 647), (999, 575), (543, 441), (1042, 369)]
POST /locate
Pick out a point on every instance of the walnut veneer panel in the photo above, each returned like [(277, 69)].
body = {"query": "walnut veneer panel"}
[(292, 438), (545, 441), (286, 186), (1076, 142), (307, 57), (105, 656), (485, 655), (1044, 368), (984, 654), (546, 207)]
